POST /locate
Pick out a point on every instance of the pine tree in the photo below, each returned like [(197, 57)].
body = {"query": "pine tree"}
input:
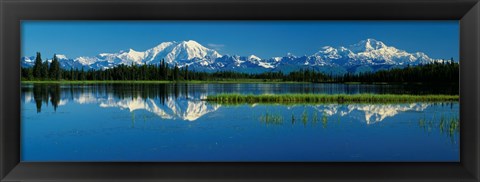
[(163, 70), (175, 72), (186, 73), (29, 74), (37, 67), (82, 74), (54, 69), (44, 71)]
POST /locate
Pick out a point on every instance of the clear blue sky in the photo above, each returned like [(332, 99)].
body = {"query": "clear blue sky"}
[(438, 39)]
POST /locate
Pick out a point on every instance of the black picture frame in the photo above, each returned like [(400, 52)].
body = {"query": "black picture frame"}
[(12, 12)]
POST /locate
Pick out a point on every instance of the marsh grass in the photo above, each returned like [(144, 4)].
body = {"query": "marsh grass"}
[(232, 99), (271, 118), (304, 118), (449, 126), (315, 118), (324, 120)]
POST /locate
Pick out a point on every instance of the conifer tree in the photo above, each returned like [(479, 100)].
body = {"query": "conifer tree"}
[(54, 69), (175, 72), (44, 71), (37, 67), (186, 73)]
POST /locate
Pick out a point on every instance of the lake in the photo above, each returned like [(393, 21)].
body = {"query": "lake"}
[(171, 122)]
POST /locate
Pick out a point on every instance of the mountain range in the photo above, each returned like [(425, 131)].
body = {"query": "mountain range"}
[(366, 55)]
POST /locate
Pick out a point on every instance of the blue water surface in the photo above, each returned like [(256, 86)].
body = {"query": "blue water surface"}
[(171, 122)]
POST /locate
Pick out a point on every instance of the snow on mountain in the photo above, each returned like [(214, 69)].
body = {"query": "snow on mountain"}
[(26, 62), (132, 56), (375, 52), (259, 62), (188, 50), (61, 56), (86, 60), (254, 58), (367, 46), (369, 54), (182, 53)]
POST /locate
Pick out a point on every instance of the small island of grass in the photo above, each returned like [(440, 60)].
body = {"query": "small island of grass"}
[(328, 98)]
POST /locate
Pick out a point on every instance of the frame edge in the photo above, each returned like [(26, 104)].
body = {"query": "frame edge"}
[(470, 35), (474, 13)]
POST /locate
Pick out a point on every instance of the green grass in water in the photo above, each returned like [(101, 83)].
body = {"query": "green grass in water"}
[(271, 118), (327, 98), (449, 126)]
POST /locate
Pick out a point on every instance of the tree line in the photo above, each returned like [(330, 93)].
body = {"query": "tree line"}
[(446, 71), (43, 70)]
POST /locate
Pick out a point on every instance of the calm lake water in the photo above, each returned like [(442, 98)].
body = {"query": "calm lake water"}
[(170, 122)]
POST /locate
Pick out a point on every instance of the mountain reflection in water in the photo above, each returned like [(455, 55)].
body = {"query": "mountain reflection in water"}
[(171, 122), (170, 101)]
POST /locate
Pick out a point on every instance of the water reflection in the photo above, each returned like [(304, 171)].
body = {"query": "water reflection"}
[(114, 121), (170, 108), (166, 101), (445, 121), (42, 92), (178, 101)]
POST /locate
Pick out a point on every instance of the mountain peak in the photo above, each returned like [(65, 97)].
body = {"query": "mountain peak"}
[(327, 49), (367, 45), (181, 52), (61, 56), (368, 52), (191, 43), (371, 41), (253, 57), (289, 54)]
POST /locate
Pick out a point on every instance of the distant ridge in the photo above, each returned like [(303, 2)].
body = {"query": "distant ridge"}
[(366, 55)]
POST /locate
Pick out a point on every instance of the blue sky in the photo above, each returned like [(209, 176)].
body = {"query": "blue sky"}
[(438, 39)]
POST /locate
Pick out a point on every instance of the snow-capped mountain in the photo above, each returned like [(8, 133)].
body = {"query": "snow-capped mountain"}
[(182, 53), (366, 55)]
